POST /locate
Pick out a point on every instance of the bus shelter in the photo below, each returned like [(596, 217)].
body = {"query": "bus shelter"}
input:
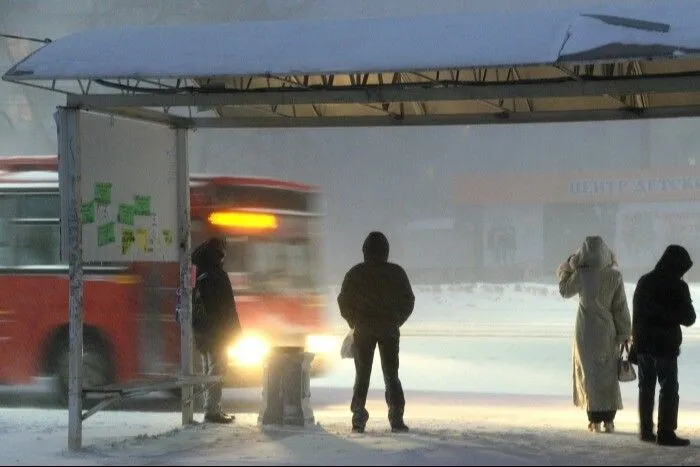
[(133, 94)]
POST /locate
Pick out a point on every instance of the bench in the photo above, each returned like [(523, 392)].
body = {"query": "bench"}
[(114, 393)]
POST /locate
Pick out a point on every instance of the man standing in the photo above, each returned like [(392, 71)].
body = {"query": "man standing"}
[(214, 320), (662, 304), (376, 299)]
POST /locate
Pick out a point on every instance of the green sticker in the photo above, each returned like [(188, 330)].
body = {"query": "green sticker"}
[(143, 205), (87, 213), (128, 239), (105, 234), (103, 193), (125, 215), (168, 237)]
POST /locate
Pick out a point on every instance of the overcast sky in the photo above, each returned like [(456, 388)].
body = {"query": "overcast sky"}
[(371, 178)]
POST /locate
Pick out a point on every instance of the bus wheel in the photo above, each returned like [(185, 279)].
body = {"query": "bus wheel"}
[(97, 366)]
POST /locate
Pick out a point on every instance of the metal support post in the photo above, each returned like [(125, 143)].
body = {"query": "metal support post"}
[(184, 290), (67, 122)]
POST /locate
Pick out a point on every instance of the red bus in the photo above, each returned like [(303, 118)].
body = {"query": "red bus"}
[(272, 229)]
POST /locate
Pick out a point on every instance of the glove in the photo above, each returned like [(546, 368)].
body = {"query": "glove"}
[(573, 261), (564, 270)]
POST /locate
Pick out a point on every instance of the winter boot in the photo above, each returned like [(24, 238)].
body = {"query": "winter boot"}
[(647, 436), (359, 420), (218, 418), (594, 427), (609, 427), (399, 427), (356, 428), (669, 438)]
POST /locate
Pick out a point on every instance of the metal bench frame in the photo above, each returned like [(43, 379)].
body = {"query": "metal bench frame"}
[(114, 393)]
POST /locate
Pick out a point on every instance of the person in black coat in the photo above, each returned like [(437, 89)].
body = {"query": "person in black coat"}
[(214, 320), (376, 299), (662, 304)]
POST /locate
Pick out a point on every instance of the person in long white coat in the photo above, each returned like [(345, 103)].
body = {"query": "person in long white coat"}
[(603, 324)]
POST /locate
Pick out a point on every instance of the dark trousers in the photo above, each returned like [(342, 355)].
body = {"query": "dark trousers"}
[(665, 370), (601, 416), (365, 341)]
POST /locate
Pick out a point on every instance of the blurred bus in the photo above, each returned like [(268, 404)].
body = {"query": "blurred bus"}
[(272, 229)]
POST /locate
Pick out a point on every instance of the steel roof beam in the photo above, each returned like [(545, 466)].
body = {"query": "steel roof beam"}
[(422, 92), (151, 116), (433, 120)]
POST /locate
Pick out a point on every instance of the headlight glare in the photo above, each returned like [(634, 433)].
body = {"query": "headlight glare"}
[(249, 351)]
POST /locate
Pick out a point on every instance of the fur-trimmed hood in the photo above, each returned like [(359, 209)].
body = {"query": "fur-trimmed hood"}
[(593, 253)]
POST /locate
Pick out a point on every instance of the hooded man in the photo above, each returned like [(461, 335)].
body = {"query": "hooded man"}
[(376, 299), (214, 320), (662, 304)]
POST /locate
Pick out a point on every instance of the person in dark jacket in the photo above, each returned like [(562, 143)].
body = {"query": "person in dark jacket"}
[(376, 299), (662, 304), (214, 321)]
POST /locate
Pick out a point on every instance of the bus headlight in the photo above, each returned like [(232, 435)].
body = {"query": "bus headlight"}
[(320, 344), (249, 351)]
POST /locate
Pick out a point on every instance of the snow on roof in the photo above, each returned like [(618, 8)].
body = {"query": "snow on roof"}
[(651, 32), (32, 179), (35, 176), (44, 179), (428, 42)]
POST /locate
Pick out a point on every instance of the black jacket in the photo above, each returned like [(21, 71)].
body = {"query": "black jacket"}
[(376, 292), (219, 325), (662, 304)]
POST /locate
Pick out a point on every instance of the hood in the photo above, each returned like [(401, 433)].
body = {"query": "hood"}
[(595, 253), (376, 248), (208, 255), (675, 260)]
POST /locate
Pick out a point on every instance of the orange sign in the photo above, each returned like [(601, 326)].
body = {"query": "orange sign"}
[(668, 184)]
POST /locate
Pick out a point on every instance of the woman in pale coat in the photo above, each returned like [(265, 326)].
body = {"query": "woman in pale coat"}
[(603, 323)]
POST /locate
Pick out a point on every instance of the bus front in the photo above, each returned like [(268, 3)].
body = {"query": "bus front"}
[(274, 261)]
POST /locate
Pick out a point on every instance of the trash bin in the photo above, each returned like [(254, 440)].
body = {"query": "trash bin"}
[(287, 388)]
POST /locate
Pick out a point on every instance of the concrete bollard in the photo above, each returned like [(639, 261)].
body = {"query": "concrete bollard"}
[(287, 388)]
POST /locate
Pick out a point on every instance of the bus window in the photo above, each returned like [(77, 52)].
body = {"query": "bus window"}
[(37, 244), (235, 255), (39, 206), (6, 243), (29, 230), (7, 207), (7, 213), (278, 265)]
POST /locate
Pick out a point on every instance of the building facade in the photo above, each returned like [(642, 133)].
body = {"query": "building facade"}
[(527, 223)]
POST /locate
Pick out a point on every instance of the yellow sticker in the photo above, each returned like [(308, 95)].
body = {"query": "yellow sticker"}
[(142, 239), (167, 237)]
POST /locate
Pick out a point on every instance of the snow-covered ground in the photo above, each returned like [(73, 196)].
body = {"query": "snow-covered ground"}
[(488, 381), (454, 429)]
